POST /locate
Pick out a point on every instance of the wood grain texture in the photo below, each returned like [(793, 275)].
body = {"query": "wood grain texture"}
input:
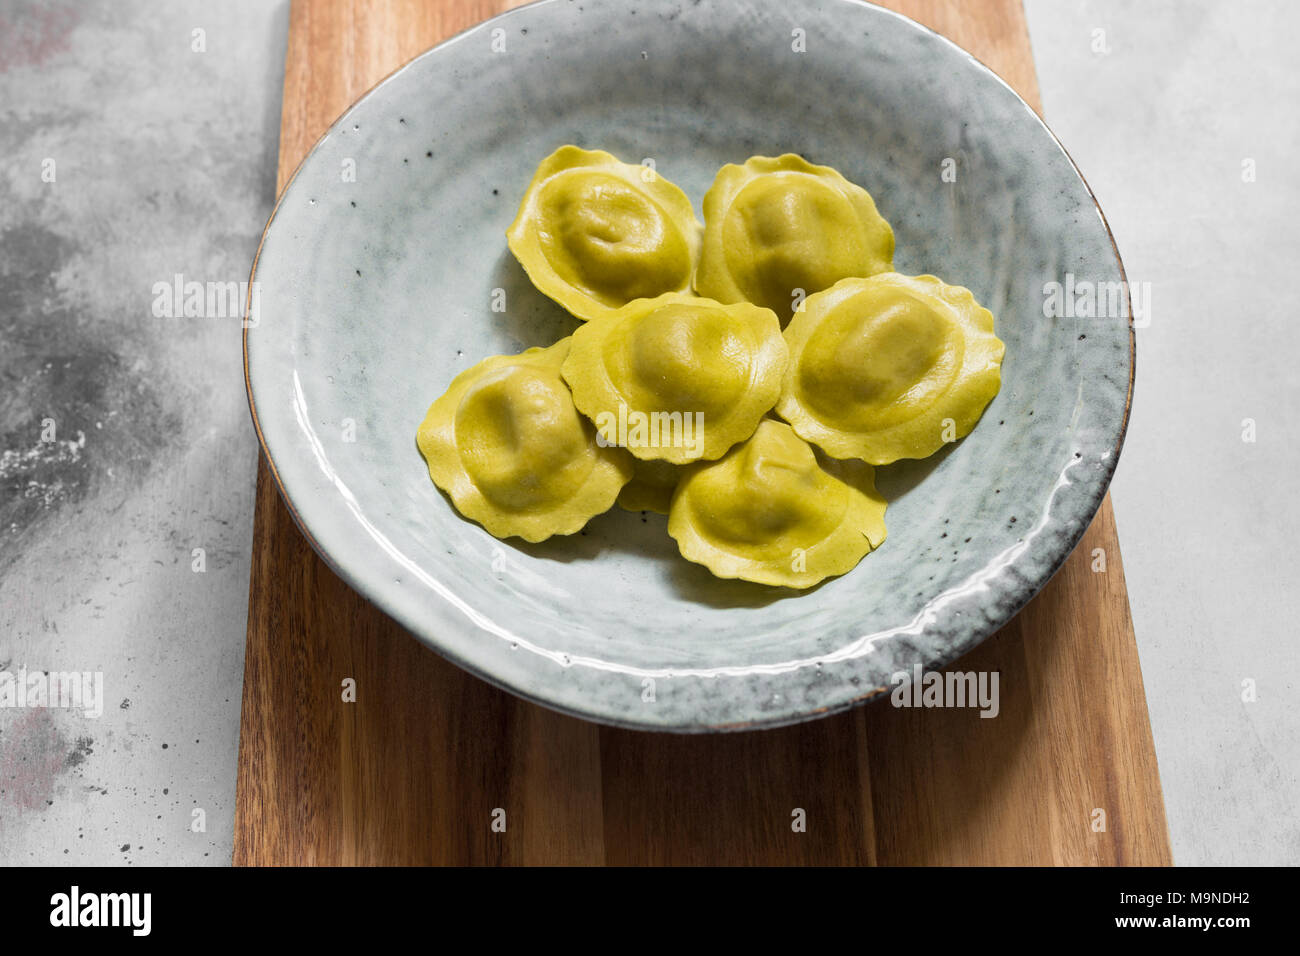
[(413, 771)]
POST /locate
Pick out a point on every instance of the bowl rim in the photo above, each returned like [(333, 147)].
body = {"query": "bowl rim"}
[(979, 635)]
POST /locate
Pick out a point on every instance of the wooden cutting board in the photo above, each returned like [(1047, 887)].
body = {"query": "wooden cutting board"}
[(413, 771)]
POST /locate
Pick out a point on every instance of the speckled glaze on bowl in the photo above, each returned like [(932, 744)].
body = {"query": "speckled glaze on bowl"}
[(375, 293)]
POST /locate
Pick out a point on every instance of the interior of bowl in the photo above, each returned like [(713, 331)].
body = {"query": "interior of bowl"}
[(377, 280)]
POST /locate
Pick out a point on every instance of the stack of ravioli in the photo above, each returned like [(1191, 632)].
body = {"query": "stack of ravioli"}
[(742, 377)]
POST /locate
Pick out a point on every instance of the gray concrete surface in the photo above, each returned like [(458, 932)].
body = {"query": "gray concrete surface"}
[(1160, 126), (164, 163)]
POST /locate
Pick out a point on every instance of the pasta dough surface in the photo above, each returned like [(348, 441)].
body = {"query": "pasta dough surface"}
[(778, 229), (593, 233), (769, 512), (509, 448), (677, 377), (889, 367)]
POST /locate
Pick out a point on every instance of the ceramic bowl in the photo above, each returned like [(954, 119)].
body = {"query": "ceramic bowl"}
[(372, 294)]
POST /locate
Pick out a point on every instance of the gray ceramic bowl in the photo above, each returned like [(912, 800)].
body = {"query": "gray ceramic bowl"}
[(374, 293)]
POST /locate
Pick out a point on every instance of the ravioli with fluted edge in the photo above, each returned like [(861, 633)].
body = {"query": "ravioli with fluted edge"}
[(889, 367), (743, 377), (677, 377), (652, 486), (509, 448), (778, 229), (594, 233), (769, 512)]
